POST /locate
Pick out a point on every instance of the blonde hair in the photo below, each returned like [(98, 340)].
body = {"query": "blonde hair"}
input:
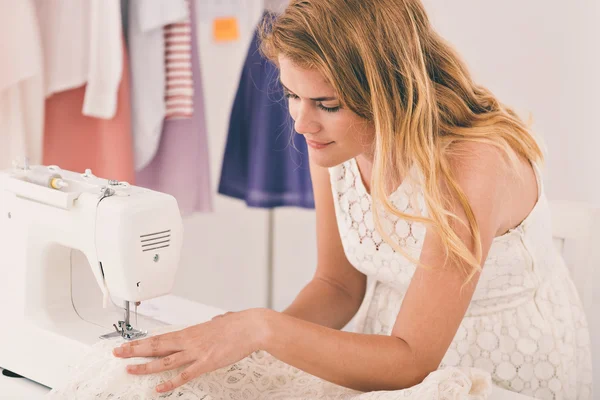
[(388, 66)]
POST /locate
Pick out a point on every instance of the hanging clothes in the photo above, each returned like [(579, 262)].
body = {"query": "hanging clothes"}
[(82, 44), (179, 95), (146, 43), (265, 161), (87, 111), (181, 164), (21, 84), (75, 141)]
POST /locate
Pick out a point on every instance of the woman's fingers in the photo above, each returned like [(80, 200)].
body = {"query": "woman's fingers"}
[(175, 336), (191, 372), (169, 362), (156, 346)]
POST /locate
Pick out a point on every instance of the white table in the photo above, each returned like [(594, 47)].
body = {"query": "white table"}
[(20, 389), (172, 310), (24, 389)]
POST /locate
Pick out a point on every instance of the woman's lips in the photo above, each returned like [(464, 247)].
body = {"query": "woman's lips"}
[(317, 145)]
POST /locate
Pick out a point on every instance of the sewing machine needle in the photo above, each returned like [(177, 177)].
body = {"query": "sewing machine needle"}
[(126, 314)]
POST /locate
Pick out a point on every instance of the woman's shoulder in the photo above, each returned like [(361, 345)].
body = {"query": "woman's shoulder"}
[(492, 184)]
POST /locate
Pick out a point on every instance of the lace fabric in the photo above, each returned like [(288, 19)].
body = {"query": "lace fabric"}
[(101, 376)]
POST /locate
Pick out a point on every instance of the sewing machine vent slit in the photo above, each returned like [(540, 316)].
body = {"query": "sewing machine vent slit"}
[(156, 240)]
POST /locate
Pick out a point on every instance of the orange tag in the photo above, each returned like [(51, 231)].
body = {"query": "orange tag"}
[(225, 29)]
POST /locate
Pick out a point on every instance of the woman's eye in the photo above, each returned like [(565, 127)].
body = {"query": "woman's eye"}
[(322, 107), (329, 109)]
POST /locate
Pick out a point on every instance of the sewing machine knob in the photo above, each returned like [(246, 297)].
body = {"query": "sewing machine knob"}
[(106, 192)]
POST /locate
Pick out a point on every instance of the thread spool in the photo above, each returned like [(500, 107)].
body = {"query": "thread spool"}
[(46, 178)]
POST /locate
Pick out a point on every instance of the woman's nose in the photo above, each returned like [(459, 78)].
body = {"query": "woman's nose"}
[(304, 123)]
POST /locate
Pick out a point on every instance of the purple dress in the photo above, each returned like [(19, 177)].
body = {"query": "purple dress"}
[(265, 161), (181, 164)]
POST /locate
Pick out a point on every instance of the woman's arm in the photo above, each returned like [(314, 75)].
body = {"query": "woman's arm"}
[(430, 315), (337, 289), (358, 361), (324, 303)]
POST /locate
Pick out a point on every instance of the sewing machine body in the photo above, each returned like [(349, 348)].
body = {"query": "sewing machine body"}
[(70, 259)]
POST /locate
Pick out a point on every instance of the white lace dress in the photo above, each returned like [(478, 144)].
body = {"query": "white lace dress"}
[(525, 324)]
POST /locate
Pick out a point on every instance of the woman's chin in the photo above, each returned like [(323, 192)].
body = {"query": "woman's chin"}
[(325, 159)]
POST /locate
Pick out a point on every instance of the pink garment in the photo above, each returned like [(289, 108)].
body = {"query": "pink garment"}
[(181, 165), (75, 142)]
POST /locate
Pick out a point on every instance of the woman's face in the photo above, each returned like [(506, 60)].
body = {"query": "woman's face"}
[(333, 134)]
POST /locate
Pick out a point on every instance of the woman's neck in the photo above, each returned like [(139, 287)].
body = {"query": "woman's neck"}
[(365, 167)]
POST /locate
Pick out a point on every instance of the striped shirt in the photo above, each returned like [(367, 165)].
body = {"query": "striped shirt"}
[(179, 90)]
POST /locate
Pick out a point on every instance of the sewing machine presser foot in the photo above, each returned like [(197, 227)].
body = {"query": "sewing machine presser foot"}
[(125, 330)]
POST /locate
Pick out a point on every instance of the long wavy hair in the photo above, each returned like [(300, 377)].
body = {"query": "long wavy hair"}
[(389, 66)]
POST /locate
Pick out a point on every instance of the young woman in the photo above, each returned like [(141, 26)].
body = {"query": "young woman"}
[(432, 224)]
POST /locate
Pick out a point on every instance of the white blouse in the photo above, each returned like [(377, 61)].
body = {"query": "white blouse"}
[(82, 44)]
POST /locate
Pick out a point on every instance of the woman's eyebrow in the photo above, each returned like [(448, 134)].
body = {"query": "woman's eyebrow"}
[(313, 99)]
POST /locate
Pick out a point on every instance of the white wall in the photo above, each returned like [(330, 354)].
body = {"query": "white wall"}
[(538, 56)]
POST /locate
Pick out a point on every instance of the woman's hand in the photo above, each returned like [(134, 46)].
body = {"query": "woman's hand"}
[(217, 343)]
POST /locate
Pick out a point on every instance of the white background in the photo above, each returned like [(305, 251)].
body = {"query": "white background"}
[(539, 56)]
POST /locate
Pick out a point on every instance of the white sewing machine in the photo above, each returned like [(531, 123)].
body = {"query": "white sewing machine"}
[(77, 252)]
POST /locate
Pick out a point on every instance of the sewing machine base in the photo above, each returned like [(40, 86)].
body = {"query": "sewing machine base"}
[(44, 346)]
